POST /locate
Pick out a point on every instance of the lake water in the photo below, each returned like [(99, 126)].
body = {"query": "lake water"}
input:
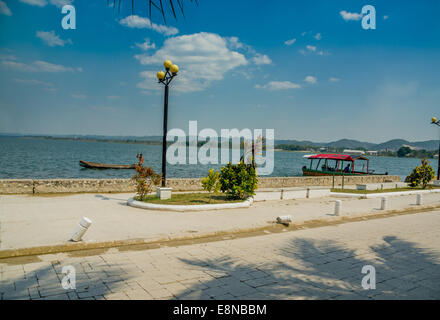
[(22, 158)]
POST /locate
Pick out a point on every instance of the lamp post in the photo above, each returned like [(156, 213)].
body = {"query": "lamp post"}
[(437, 122), (166, 78)]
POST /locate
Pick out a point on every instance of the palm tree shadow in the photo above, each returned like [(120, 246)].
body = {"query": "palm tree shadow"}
[(311, 269), (46, 282)]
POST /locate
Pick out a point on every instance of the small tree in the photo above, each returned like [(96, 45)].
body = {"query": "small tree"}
[(422, 174), (145, 179), (238, 180), (211, 182), (403, 152)]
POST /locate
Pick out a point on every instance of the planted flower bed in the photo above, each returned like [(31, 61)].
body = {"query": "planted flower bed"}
[(191, 199)]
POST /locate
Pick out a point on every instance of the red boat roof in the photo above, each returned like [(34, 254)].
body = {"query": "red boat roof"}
[(332, 156)]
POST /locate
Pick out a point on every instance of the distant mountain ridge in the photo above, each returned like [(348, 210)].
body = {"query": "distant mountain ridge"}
[(391, 145)]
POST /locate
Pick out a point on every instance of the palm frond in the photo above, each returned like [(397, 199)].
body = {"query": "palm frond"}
[(159, 5)]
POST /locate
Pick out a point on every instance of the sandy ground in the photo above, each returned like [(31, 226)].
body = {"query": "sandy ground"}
[(27, 221)]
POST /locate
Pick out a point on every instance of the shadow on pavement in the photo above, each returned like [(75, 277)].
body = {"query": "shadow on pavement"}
[(311, 269)]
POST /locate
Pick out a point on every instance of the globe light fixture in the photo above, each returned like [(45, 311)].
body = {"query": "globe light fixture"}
[(167, 64), (160, 75), (166, 77), (174, 68)]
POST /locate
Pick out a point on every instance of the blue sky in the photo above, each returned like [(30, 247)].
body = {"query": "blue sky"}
[(305, 68)]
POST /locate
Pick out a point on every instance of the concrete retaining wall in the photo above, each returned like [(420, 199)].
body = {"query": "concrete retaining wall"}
[(29, 186)]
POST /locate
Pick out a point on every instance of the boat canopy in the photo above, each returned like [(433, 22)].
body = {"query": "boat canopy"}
[(343, 157), (360, 158)]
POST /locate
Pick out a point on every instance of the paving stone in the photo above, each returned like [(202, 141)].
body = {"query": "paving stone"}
[(160, 293), (138, 294), (116, 296), (320, 263)]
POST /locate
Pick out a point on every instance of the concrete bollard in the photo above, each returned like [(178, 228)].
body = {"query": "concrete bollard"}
[(81, 229), (383, 203), (419, 199), (338, 204), (284, 219)]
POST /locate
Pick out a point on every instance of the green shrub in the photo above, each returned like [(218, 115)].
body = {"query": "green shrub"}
[(238, 180), (211, 182), (422, 174), (145, 179)]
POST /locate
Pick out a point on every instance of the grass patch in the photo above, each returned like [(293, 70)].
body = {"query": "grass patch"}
[(191, 199), (355, 191)]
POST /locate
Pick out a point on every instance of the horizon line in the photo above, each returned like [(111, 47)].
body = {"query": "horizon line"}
[(7, 134)]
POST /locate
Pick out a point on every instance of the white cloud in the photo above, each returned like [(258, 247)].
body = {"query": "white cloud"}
[(44, 66), (279, 85), (39, 3), (7, 57), (350, 15), (322, 53), (311, 80), (260, 59), (43, 3), (134, 21), (290, 42), (313, 50), (202, 58), (4, 9), (51, 39), (60, 3), (78, 96), (47, 85), (17, 66), (37, 66), (318, 36), (146, 45), (333, 79), (234, 43)]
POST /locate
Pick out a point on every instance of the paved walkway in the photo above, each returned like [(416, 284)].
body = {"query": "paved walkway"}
[(28, 221), (320, 263)]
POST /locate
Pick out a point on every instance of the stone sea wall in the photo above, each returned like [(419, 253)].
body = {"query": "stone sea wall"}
[(43, 186)]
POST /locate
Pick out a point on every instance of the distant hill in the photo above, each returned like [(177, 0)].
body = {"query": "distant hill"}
[(391, 145)]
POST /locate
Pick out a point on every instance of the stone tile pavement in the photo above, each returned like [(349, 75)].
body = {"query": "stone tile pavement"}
[(320, 263)]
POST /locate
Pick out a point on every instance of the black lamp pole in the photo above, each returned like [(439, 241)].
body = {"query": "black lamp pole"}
[(437, 122), (164, 138), (438, 159), (166, 78)]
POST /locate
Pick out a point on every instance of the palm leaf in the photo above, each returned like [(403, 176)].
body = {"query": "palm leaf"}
[(158, 5)]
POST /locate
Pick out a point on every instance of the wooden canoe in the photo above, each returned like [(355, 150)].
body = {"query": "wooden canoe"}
[(94, 165)]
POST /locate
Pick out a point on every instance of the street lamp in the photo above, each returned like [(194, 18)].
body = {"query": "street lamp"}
[(166, 77), (437, 122)]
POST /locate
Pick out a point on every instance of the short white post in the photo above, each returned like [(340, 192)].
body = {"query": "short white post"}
[(419, 199), (383, 203), (81, 228), (163, 193), (284, 219), (338, 204)]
